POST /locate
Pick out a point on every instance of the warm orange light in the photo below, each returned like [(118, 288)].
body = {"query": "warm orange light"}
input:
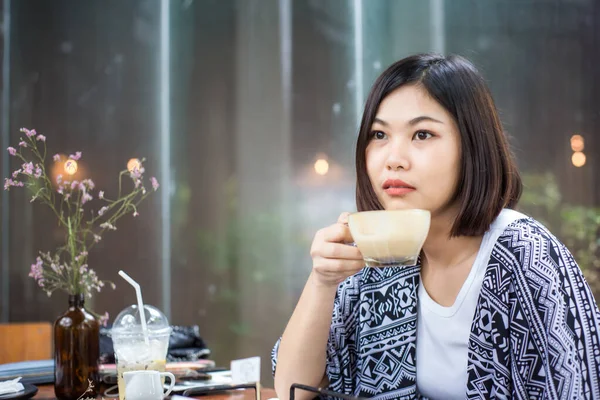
[(578, 159), (133, 164), (321, 166), (577, 143), (71, 167)]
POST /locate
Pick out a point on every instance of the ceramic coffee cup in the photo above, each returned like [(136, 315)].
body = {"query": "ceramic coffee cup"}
[(147, 385)]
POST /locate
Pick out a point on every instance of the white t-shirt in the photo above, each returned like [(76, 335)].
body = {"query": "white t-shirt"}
[(443, 332)]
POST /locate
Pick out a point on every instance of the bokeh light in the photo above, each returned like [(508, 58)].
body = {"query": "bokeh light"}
[(577, 143), (133, 164), (321, 166), (578, 159), (71, 167)]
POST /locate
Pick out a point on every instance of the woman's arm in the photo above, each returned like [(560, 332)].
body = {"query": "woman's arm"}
[(302, 351), (558, 332)]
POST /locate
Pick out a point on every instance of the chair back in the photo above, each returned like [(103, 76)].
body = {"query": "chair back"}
[(25, 342)]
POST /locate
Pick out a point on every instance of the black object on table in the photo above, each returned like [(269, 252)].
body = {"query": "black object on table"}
[(199, 391), (320, 391), (28, 392)]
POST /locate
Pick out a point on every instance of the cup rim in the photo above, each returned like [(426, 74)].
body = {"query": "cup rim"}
[(142, 372)]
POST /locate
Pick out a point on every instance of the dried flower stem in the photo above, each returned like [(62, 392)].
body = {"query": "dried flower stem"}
[(67, 268)]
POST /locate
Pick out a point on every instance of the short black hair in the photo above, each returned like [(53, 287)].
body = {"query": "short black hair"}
[(489, 179)]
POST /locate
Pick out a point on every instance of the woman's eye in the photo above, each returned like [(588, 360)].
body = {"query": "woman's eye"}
[(422, 135), (378, 135)]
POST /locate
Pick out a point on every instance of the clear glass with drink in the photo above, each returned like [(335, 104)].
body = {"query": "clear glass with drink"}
[(135, 350), (388, 238)]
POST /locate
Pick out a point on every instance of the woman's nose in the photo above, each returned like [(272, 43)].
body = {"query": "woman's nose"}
[(397, 158)]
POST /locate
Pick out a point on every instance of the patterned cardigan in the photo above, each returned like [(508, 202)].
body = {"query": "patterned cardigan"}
[(535, 332)]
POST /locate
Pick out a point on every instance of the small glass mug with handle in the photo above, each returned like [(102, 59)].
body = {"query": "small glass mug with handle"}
[(390, 238)]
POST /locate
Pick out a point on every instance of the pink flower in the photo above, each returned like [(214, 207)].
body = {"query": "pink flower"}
[(101, 194), (22, 144), (27, 168), (74, 184), (102, 211), (137, 172), (8, 183), (97, 238), (89, 183), (28, 132), (59, 179), (36, 270), (16, 173), (56, 157), (41, 138), (67, 196), (135, 213), (108, 225), (86, 197), (12, 151), (61, 190), (38, 171), (155, 184), (75, 157)]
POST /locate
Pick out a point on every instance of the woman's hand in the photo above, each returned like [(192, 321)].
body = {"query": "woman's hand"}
[(334, 259)]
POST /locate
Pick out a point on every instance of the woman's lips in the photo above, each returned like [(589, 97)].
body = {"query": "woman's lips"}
[(398, 191), (397, 187)]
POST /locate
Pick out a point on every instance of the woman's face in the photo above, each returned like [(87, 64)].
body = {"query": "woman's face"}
[(413, 156)]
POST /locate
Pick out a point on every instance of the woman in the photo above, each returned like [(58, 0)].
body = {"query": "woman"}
[(496, 307)]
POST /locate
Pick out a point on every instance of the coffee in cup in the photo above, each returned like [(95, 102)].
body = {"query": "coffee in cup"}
[(390, 237)]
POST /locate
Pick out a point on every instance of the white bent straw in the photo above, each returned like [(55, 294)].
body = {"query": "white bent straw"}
[(138, 294)]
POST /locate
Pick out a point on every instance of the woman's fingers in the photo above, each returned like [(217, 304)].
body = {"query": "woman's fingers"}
[(333, 259), (340, 251), (336, 233), (343, 218), (332, 267)]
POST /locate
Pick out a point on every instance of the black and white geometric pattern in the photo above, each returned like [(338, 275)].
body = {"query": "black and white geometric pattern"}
[(535, 333)]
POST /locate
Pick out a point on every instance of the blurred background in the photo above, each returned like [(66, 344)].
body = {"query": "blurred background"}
[(247, 113)]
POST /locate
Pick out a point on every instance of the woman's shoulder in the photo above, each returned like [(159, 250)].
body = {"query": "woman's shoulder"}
[(530, 246), (524, 230)]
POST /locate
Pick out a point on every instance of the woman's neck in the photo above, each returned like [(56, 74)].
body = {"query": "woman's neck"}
[(442, 251)]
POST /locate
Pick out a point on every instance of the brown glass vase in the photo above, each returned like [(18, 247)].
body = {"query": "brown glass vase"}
[(76, 351)]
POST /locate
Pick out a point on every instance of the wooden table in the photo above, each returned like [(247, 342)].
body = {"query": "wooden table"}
[(46, 392)]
